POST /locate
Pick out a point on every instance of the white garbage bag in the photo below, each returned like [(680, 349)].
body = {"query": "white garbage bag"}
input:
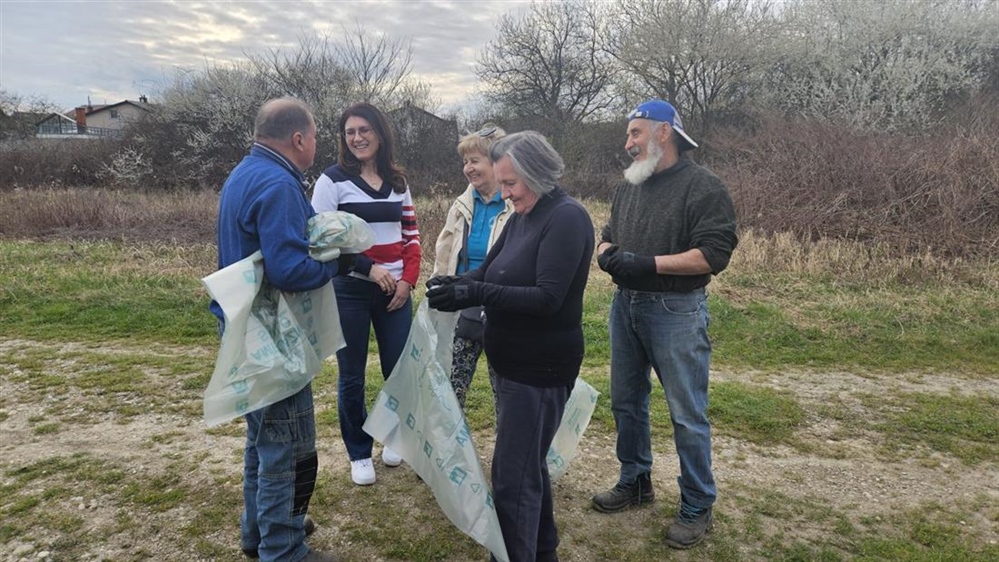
[(418, 416), (578, 411), (274, 343)]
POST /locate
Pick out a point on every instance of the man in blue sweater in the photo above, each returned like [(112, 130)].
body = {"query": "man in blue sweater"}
[(263, 207), (672, 226)]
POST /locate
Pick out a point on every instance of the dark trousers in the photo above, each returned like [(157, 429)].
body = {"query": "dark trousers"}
[(362, 305), (526, 422)]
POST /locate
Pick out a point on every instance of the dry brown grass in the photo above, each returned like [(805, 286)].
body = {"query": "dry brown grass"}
[(179, 217), (188, 219)]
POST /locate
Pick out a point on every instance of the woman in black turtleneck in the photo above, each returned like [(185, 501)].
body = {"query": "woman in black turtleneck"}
[(531, 285)]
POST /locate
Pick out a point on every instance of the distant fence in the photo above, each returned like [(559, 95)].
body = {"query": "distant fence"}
[(48, 130)]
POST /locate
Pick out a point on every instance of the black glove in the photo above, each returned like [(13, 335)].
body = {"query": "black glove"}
[(442, 280), (632, 266), (345, 263), (603, 260), (455, 296)]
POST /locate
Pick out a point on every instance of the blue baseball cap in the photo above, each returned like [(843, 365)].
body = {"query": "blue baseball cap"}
[(659, 110)]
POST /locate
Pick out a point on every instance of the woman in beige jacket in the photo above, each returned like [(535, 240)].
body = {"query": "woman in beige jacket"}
[(474, 222)]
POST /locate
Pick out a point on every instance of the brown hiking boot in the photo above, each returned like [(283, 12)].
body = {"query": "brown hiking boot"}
[(690, 527), (623, 496)]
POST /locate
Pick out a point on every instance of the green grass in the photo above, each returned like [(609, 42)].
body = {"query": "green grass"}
[(821, 326), (105, 291), (99, 291), (123, 331), (757, 414), (966, 427)]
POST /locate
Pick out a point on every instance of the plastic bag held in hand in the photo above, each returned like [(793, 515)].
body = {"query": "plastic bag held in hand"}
[(274, 343)]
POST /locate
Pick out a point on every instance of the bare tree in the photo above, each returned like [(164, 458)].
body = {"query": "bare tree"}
[(377, 65), (19, 115), (550, 63), (705, 56)]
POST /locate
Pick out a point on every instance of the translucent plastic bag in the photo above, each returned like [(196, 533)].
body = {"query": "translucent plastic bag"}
[(274, 343), (418, 416), (334, 232), (578, 411)]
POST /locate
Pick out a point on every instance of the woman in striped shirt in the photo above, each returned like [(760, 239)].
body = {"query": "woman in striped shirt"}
[(368, 183)]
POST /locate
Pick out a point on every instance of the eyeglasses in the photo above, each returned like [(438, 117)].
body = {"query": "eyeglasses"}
[(363, 131), (487, 132)]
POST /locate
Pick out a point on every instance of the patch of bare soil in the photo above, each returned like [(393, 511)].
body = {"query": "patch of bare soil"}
[(844, 473)]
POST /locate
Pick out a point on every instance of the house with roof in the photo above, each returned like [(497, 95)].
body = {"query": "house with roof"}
[(93, 121), (427, 146)]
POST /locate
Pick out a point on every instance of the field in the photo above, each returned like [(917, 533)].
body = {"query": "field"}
[(854, 401)]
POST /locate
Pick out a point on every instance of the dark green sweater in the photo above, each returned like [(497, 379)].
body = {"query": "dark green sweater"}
[(683, 207)]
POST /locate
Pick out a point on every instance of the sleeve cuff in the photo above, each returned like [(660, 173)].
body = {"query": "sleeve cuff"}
[(363, 264)]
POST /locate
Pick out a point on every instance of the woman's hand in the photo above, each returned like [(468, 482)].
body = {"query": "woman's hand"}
[(402, 292), (382, 278)]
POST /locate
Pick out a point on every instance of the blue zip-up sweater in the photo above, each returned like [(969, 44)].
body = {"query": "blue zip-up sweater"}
[(263, 207)]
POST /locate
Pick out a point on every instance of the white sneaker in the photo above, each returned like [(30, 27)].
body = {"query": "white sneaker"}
[(362, 472), (390, 457)]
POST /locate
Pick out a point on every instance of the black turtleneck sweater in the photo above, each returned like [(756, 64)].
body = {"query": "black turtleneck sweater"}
[(682, 207), (534, 277)]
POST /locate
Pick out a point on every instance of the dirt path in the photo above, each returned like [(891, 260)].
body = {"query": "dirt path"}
[(846, 475)]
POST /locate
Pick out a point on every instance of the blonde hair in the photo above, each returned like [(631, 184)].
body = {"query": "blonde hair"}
[(480, 140)]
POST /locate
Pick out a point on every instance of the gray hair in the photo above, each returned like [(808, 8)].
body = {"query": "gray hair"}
[(281, 118), (674, 138), (534, 160)]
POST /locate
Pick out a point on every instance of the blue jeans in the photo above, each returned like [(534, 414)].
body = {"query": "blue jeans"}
[(526, 422), (667, 332), (279, 476), (362, 304)]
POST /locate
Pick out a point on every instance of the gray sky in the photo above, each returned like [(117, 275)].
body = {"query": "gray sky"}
[(65, 50)]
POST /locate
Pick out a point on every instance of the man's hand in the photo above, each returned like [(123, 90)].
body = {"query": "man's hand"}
[(345, 263), (455, 296), (632, 266), (603, 260), (442, 280)]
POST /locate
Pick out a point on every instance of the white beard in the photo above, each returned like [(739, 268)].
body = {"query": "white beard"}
[(641, 170)]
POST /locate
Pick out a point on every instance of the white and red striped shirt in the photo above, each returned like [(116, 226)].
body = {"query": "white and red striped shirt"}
[(391, 216)]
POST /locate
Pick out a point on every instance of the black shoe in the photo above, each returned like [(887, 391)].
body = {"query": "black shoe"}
[(623, 496), (690, 526), (310, 527)]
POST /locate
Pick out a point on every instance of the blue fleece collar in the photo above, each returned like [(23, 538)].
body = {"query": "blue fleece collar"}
[(260, 149)]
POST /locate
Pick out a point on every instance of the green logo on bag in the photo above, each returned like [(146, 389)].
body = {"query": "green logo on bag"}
[(457, 475)]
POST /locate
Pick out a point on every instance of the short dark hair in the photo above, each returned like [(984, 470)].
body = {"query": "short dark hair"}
[(390, 171), (281, 118)]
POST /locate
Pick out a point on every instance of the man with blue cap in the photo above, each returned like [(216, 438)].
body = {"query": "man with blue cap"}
[(672, 226)]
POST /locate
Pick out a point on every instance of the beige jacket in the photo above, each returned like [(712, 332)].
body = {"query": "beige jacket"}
[(452, 236)]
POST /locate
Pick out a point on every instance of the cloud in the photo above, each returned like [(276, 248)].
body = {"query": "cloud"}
[(114, 50)]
